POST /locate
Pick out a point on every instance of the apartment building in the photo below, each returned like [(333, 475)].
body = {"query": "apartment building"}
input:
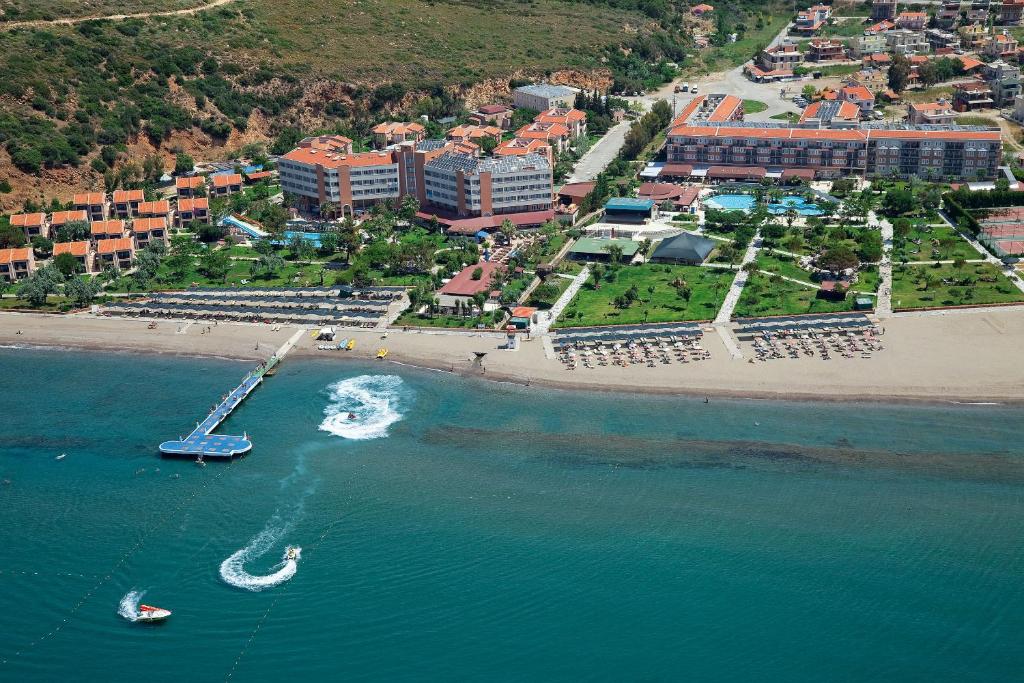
[(1011, 12), (931, 113), (492, 115), (149, 230), (825, 50), (784, 56), (1003, 80), (543, 97), (32, 224), (189, 210), (115, 252), (904, 42), (395, 133), (124, 203), (973, 36), (711, 108), (474, 134), (913, 21), (93, 203), (972, 95), (192, 186), (868, 44), (79, 250), (808, 21), (906, 151), (883, 9), (939, 39), (466, 186), (1001, 46), (61, 218), (226, 184), (555, 135), (573, 119), (106, 230), (17, 264)]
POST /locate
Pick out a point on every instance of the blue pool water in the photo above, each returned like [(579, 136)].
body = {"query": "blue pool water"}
[(746, 202), (312, 237)]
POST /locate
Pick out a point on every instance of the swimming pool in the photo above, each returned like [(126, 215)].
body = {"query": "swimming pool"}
[(311, 237), (746, 202)]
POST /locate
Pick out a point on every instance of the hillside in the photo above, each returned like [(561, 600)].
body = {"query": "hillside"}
[(83, 105)]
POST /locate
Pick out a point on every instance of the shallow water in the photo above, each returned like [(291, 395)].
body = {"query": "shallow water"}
[(471, 530)]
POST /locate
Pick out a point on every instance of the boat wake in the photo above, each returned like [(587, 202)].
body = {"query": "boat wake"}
[(129, 606), (232, 570), (363, 407)]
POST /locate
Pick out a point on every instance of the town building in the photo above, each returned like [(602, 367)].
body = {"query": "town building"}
[(883, 9), (124, 203), (712, 108), (492, 115), (226, 184), (106, 230), (191, 186), (973, 36), (830, 114), (395, 133), (881, 27), (629, 210), (1001, 46), (810, 20), (906, 151), (464, 186), (1011, 12), (1004, 81), (573, 119), (859, 95), (149, 230), (904, 42), (118, 253), (939, 39), (972, 95), (475, 134), (93, 203), (61, 218), (521, 146), (914, 21), (931, 113), (32, 224), (79, 250), (868, 44), (189, 210), (785, 56), (17, 264), (825, 50), (544, 97), (555, 135), (338, 144)]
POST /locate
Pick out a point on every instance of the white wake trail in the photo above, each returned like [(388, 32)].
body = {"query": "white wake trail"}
[(363, 407), (232, 570), (129, 605)]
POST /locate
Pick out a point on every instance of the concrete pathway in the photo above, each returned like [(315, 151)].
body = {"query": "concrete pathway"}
[(544, 324), (601, 154), (883, 304), (733, 297), (730, 341)]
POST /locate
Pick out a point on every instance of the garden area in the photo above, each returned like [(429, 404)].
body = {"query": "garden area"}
[(766, 295), (647, 293), (918, 240), (970, 284)]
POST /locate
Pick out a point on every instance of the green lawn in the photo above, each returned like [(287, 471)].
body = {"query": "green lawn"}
[(753, 106), (938, 243), (783, 265), (595, 306), (969, 120), (734, 54), (975, 283), (850, 28), (416, 320), (53, 303), (789, 116), (835, 69), (762, 297), (559, 285)]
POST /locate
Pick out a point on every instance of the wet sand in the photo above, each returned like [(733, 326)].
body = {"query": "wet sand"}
[(966, 357)]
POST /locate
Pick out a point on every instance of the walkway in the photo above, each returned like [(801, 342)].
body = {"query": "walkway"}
[(733, 297), (112, 17), (601, 154), (883, 304), (544, 324)]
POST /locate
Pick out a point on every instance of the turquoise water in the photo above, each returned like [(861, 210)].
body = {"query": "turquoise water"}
[(476, 531), (312, 237), (746, 202)]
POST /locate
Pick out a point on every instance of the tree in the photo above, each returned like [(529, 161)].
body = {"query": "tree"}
[(81, 291), (614, 253), (36, 287), (183, 249), (477, 273), (67, 264), (72, 231), (10, 236), (208, 232), (329, 242), (42, 246), (183, 164), (508, 230), (898, 202), (214, 263), (809, 92), (838, 258), (409, 207), (328, 210), (899, 72)]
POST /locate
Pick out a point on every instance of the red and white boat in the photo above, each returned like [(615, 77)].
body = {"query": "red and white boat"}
[(149, 613)]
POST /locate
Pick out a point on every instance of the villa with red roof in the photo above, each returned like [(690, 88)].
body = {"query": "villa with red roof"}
[(33, 224), (464, 286), (125, 202), (79, 250), (192, 186), (197, 209), (93, 203), (61, 218), (117, 252), (17, 264), (931, 113), (395, 132), (556, 135), (226, 184), (492, 115), (148, 230), (858, 95), (573, 119), (106, 230), (474, 134)]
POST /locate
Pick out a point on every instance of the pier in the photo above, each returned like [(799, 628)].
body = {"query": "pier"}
[(202, 442)]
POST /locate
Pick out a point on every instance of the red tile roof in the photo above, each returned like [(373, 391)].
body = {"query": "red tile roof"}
[(27, 220), (851, 135), (155, 208), (313, 157), (111, 246), (857, 92), (190, 183), (517, 146), (463, 283), (111, 227), (561, 115), (89, 198), (125, 196), (12, 255), (226, 179), (62, 217), (147, 224), (73, 248), (193, 204), (397, 128)]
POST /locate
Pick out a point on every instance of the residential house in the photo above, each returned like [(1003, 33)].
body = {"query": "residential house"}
[(81, 252), (825, 50), (784, 56), (338, 144), (125, 202), (970, 64), (191, 186), (883, 9), (1004, 81), (555, 135), (811, 19), (883, 26), (189, 210), (939, 39), (115, 252), (858, 95), (1001, 46), (226, 184), (544, 97), (931, 113), (702, 9), (459, 292), (972, 95), (32, 224), (149, 230), (868, 44), (61, 218), (254, 177), (475, 134), (93, 203), (17, 264), (573, 119), (157, 209), (914, 21), (493, 115), (521, 146), (1011, 12), (1018, 109), (106, 230), (904, 42), (972, 36), (397, 132)]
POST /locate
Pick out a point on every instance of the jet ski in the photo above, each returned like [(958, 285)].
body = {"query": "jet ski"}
[(150, 614)]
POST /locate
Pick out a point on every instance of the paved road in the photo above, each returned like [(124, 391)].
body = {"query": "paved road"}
[(601, 154)]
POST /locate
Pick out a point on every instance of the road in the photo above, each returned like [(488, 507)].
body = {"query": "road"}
[(113, 17), (601, 154)]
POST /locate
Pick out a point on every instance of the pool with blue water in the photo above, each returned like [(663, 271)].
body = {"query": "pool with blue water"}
[(746, 202)]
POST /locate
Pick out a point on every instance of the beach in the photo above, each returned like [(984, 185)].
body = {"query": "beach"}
[(962, 355)]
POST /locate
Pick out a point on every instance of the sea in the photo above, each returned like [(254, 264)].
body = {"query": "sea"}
[(463, 530)]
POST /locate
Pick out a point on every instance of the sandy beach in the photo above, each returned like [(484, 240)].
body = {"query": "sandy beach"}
[(964, 356)]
